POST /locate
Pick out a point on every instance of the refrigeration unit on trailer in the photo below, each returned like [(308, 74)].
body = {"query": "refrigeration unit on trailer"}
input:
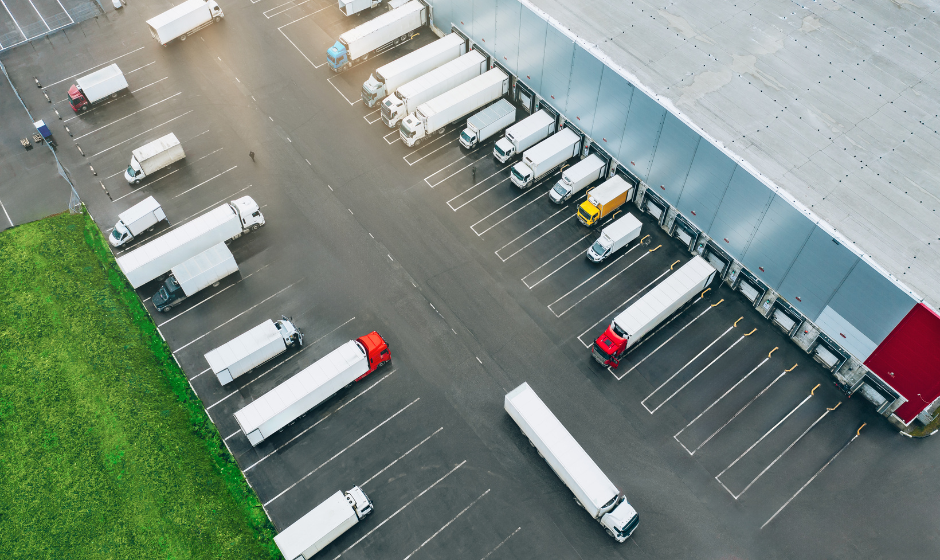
[(96, 86), (304, 391), (487, 122), (446, 108), (135, 220), (157, 257), (408, 97), (392, 27), (152, 157), (523, 135), (591, 488), (604, 199), (577, 177), (323, 524), (194, 275), (545, 157), (184, 20), (614, 237), (253, 348), (385, 80), (635, 322)]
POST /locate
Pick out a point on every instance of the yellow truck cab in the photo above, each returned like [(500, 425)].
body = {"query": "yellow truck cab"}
[(603, 200)]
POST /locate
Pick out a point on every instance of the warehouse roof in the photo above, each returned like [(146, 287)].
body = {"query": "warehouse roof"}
[(835, 103)]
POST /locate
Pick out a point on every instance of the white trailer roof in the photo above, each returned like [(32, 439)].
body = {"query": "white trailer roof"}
[(586, 166), (664, 294), (562, 445), (313, 526), (242, 345), (555, 143), (139, 210), (158, 146), (303, 383), (471, 59), (535, 121), (381, 21), (426, 52), (169, 241), (461, 92), (609, 189), (204, 269), (491, 114), (622, 226), (99, 76), (176, 12)]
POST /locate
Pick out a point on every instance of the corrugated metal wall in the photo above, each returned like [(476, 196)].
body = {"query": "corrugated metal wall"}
[(831, 285)]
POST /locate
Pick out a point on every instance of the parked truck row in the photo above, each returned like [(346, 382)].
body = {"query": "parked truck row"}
[(386, 80), (388, 29)]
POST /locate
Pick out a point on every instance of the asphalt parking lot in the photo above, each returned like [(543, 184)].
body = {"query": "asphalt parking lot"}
[(726, 437)]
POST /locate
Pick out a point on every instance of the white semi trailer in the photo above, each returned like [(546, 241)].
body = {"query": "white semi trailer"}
[(576, 178), (135, 220), (194, 275), (444, 109), (357, 44), (157, 257), (323, 524), (545, 157), (183, 20), (523, 135), (250, 349), (487, 122), (591, 488), (386, 80), (410, 96)]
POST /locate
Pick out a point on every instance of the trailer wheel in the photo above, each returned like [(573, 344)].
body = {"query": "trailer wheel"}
[(114, 96), (182, 37), (217, 19), (403, 38), (417, 143)]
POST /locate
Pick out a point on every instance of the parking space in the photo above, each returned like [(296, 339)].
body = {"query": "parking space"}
[(22, 20)]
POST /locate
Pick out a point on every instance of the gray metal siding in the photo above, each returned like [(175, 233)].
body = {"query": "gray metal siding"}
[(613, 106), (641, 134), (484, 24), (816, 274), (532, 32), (884, 304), (677, 144), (508, 14), (462, 15), (442, 13), (778, 240), (705, 185), (556, 70), (741, 209), (583, 89)]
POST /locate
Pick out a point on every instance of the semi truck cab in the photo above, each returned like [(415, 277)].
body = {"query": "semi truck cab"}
[(291, 335), (374, 347), (337, 56), (167, 294), (119, 235), (621, 521), (411, 130), (392, 109), (77, 99), (372, 90), (521, 175), (248, 212), (588, 213), (359, 501), (609, 347), (503, 150)]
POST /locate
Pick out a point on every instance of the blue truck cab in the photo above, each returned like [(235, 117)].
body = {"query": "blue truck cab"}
[(337, 56)]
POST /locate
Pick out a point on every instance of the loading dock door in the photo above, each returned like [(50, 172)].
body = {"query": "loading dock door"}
[(684, 236), (825, 357), (716, 261), (783, 320), (749, 291)]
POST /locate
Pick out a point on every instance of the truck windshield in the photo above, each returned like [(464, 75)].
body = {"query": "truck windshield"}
[(518, 175), (468, 138), (117, 235), (75, 101), (584, 214), (499, 150), (618, 331), (560, 190), (131, 172), (598, 248), (406, 131)]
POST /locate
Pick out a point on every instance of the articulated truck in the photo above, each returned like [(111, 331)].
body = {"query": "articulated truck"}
[(487, 122), (304, 391), (193, 275), (630, 326), (154, 259), (357, 44), (96, 86), (576, 178), (603, 200), (137, 219), (444, 109), (386, 80), (410, 96), (545, 157), (251, 349), (152, 157), (523, 135), (323, 524), (184, 20), (591, 488)]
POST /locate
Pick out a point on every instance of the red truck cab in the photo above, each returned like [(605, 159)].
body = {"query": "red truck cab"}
[(609, 347), (77, 99), (376, 350)]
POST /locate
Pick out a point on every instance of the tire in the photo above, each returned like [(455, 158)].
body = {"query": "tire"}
[(255, 227), (417, 143), (403, 38), (137, 182), (182, 37), (217, 19)]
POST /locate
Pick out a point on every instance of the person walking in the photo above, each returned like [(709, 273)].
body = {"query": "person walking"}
[(251, 155)]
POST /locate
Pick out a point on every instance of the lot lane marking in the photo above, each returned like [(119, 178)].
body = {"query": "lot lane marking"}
[(140, 67), (18, 25), (485, 179), (474, 226), (281, 29), (441, 147), (5, 213), (588, 279), (694, 420), (687, 325), (589, 294), (377, 119), (436, 533), (402, 456), (341, 93), (314, 425), (40, 15), (560, 253), (150, 84), (240, 280), (561, 223), (701, 371), (206, 181), (428, 145), (92, 68), (200, 373), (490, 553), (230, 436), (814, 476), (399, 510), (141, 134), (324, 463), (397, 137), (449, 164), (290, 5), (127, 116)]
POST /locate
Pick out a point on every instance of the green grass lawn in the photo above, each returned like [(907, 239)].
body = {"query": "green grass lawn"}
[(105, 452)]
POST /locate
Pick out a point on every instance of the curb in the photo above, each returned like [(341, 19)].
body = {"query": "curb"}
[(905, 434)]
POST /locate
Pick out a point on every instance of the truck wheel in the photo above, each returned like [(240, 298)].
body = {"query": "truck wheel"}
[(217, 19), (255, 227), (84, 107), (417, 143), (403, 38), (183, 38)]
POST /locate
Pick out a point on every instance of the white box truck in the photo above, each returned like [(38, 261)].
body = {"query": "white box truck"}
[(592, 489), (183, 20), (96, 86), (444, 109), (350, 7), (295, 397), (487, 122), (523, 135), (323, 524), (410, 96), (577, 177), (545, 157), (194, 275), (392, 27), (152, 157), (614, 237), (630, 326), (386, 80), (135, 220), (157, 257), (250, 349)]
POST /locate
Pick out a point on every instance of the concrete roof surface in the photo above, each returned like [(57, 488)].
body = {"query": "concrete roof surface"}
[(836, 102)]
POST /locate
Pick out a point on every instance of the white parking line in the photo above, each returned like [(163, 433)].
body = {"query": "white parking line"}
[(436, 533), (694, 377), (445, 167), (560, 253), (485, 179), (441, 147), (397, 136), (524, 247), (490, 553), (314, 425), (341, 93), (665, 342), (141, 134), (148, 85), (200, 373), (206, 181), (5, 213), (230, 436), (40, 15), (281, 29), (403, 455), (240, 280), (716, 401), (290, 5), (324, 463), (93, 67), (140, 68), (428, 145), (589, 294), (17, 24), (373, 121), (399, 510), (588, 279), (127, 116), (478, 222)]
